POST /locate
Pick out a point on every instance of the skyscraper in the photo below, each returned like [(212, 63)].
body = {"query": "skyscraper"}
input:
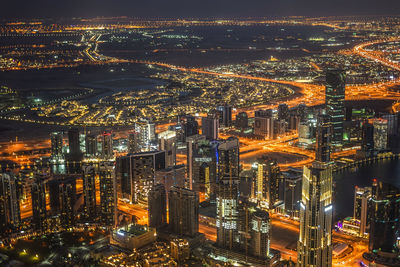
[(380, 134), (167, 142), (135, 174), (74, 144), (314, 247), (334, 102), (147, 134), (56, 146), (227, 211), (89, 191), (260, 226), (323, 142), (192, 145), (107, 145), (226, 111), (91, 145), (209, 127), (38, 195), (133, 142), (362, 208), (228, 158), (267, 181), (10, 216), (242, 121), (191, 127), (67, 202), (385, 214), (108, 194), (183, 206), (367, 139), (157, 203)]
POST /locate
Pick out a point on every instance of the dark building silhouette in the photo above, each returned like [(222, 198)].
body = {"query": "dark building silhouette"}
[(334, 102), (209, 127), (157, 203), (367, 139), (183, 206), (190, 126), (38, 194), (91, 145), (67, 194), (385, 214), (89, 192), (242, 121), (10, 216)]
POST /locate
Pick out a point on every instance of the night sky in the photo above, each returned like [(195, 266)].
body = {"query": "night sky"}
[(194, 8)]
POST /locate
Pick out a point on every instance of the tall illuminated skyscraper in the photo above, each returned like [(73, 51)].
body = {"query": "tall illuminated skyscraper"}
[(227, 212), (334, 101), (108, 194), (38, 195), (323, 142), (107, 145), (167, 142), (67, 202), (209, 127), (260, 227), (56, 146), (10, 216), (314, 247), (89, 191), (267, 181)]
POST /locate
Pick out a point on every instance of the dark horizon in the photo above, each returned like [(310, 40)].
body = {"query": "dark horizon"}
[(196, 9)]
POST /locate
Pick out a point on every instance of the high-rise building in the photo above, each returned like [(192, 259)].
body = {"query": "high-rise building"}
[(135, 174), (292, 195), (183, 206), (107, 145), (108, 194), (54, 190), (74, 143), (367, 138), (334, 101), (157, 204), (260, 227), (10, 216), (133, 143), (91, 145), (267, 181), (227, 211), (192, 146), (362, 208), (380, 134), (89, 191), (67, 202), (147, 134), (209, 127), (167, 142), (323, 141), (314, 247), (172, 176), (190, 126), (228, 158), (226, 111), (38, 195), (56, 146), (242, 121), (385, 214)]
